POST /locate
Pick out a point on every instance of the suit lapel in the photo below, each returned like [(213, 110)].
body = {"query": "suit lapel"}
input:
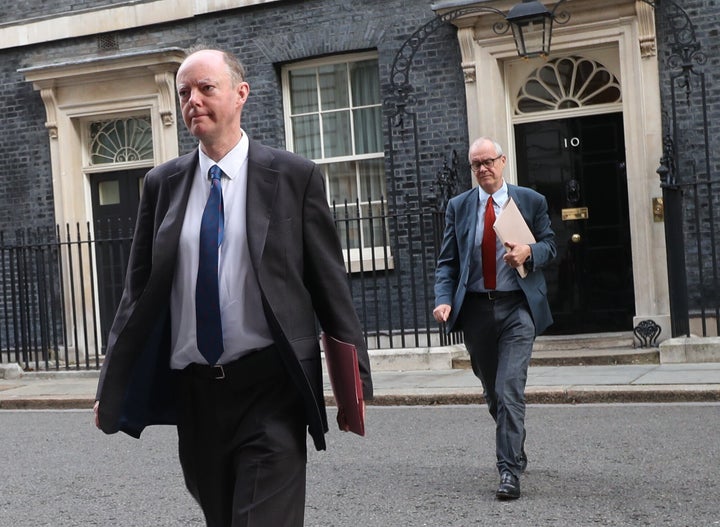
[(469, 228), (513, 193), (517, 198), (178, 190), (262, 184)]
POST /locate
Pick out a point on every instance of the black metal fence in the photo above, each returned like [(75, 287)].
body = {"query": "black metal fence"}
[(61, 287), (45, 306), (688, 174), (701, 211)]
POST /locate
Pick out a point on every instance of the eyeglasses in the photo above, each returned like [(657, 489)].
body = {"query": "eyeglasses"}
[(487, 163)]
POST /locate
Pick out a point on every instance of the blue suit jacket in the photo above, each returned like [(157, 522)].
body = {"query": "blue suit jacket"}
[(455, 259)]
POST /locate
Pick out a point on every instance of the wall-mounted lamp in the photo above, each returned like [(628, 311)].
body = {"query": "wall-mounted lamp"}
[(532, 26)]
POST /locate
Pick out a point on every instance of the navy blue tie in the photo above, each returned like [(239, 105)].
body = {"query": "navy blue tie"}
[(207, 295)]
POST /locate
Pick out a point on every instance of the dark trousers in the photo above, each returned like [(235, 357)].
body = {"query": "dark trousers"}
[(499, 336), (242, 442)]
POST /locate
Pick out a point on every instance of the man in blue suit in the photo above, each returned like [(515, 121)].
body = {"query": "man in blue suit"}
[(479, 290)]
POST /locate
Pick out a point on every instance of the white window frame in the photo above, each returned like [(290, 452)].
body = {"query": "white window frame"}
[(364, 258)]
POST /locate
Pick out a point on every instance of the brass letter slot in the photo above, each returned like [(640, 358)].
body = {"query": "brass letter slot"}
[(658, 209), (579, 213)]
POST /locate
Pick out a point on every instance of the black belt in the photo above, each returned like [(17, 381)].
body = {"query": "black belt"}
[(244, 364), (494, 295)]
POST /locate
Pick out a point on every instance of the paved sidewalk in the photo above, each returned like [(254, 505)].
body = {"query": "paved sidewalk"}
[(684, 382)]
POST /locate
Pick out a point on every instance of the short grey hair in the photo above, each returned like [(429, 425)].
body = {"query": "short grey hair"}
[(498, 148), (235, 67)]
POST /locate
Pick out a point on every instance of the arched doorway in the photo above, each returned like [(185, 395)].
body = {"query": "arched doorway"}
[(578, 163), (622, 40)]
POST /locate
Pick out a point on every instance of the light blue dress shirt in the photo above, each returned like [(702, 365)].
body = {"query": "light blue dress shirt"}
[(507, 277)]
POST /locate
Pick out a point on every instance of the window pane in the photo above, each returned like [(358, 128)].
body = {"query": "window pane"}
[(348, 226), (336, 134), (303, 91), (607, 95), (373, 227), (109, 192), (368, 130), (372, 179), (334, 87), (365, 82), (306, 136), (336, 112), (342, 182)]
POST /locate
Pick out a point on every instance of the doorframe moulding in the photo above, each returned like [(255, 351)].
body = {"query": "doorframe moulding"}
[(629, 26)]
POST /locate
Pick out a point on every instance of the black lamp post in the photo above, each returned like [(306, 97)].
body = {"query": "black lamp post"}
[(532, 25)]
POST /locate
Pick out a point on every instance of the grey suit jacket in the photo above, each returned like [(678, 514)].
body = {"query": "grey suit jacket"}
[(296, 255), (455, 259)]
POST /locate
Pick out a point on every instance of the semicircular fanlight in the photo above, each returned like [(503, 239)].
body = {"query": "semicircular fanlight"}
[(566, 83), (121, 140)]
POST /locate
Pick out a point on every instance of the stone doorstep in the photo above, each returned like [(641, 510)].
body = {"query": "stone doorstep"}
[(456, 357), (407, 359), (10, 371), (690, 349), (585, 357), (581, 350), (612, 340), (552, 350)]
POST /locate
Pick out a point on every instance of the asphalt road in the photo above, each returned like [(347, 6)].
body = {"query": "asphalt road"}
[(590, 465)]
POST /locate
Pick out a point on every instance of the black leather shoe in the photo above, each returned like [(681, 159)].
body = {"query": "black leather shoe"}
[(509, 488)]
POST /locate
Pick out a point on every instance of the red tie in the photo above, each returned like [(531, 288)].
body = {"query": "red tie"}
[(488, 246)]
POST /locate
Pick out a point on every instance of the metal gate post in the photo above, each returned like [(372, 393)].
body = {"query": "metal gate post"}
[(674, 242)]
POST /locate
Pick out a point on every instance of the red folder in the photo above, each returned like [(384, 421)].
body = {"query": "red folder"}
[(342, 365)]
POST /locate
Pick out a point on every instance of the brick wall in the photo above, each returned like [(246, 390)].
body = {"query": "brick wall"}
[(688, 35), (265, 37), (25, 179)]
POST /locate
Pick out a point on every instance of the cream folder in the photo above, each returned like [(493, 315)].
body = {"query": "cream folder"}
[(510, 226)]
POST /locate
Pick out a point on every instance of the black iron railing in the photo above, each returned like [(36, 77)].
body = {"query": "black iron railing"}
[(48, 304), (61, 287)]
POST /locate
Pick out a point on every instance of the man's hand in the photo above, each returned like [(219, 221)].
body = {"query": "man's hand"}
[(342, 419), (442, 312), (517, 254)]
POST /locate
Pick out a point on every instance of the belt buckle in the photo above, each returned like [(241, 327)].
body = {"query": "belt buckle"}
[(490, 295), (218, 372)]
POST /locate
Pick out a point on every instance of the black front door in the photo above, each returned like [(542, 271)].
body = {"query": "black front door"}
[(579, 165), (115, 198)]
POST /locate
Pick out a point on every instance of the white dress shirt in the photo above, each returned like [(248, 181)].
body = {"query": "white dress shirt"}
[(243, 321)]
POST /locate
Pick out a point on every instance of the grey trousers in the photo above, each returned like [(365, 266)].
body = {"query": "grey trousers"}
[(499, 336)]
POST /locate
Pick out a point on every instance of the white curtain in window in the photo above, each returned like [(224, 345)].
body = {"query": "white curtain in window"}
[(365, 85), (337, 134), (343, 181), (306, 135), (372, 182), (303, 91), (333, 87)]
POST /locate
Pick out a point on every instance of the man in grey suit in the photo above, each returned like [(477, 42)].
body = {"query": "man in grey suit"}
[(242, 415), (478, 289)]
